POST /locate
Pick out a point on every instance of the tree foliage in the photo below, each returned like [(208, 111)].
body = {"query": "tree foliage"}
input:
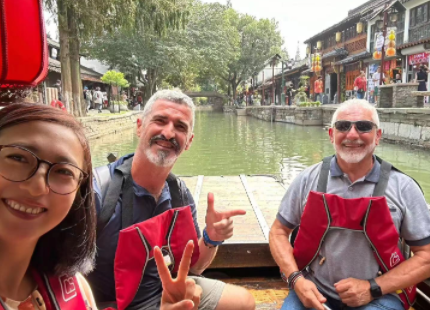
[(218, 47)]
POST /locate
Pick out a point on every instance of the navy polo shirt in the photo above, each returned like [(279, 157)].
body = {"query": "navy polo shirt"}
[(102, 279)]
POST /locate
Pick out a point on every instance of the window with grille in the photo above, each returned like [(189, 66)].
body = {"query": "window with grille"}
[(419, 15)]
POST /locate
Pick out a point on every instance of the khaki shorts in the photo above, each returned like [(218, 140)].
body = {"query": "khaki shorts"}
[(212, 291), (211, 294)]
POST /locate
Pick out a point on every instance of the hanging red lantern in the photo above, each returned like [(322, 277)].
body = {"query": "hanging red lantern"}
[(23, 44)]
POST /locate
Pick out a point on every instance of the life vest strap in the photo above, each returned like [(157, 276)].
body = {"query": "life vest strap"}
[(380, 187)]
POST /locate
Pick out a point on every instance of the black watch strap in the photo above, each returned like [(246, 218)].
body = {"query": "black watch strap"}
[(375, 289)]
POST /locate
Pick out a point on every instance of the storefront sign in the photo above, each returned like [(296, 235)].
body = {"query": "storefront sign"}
[(421, 58)]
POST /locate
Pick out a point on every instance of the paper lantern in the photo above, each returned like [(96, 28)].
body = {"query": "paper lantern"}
[(338, 36), (319, 45), (23, 48), (360, 27), (377, 55), (391, 52), (308, 50)]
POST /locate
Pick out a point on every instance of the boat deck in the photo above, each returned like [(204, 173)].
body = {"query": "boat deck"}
[(260, 196)]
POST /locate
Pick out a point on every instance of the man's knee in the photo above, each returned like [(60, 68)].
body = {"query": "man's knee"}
[(236, 298)]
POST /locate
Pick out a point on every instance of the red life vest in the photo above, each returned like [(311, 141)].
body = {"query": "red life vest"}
[(58, 293), (173, 229), (370, 215), (170, 231)]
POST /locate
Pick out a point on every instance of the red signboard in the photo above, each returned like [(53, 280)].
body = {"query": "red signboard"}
[(421, 58)]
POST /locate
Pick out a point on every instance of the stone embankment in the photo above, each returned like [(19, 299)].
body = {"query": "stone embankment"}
[(101, 125), (409, 126)]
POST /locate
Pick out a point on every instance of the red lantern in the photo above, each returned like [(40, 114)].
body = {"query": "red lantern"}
[(23, 45)]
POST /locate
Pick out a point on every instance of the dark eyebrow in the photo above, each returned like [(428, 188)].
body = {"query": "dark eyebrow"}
[(165, 117), (58, 158)]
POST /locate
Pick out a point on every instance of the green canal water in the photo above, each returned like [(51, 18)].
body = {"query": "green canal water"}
[(230, 145)]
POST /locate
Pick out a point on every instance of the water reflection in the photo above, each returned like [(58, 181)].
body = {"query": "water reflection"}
[(231, 145)]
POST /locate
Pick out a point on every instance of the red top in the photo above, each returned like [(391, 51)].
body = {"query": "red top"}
[(318, 86), (361, 83)]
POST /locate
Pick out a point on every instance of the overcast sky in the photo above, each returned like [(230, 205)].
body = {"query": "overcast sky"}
[(298, 19)]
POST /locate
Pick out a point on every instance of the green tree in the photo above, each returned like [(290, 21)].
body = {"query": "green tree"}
[(78, 20)]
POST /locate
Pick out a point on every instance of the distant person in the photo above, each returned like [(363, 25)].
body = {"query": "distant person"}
[(318, 89), (59, 89), (88, 97), (360, 85), (124, 96), (307, 89), (290, 91), (98, 99), (377, 82), (398, 79), (421, 77)]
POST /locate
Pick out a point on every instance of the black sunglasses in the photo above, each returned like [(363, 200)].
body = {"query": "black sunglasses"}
[(360, 126)]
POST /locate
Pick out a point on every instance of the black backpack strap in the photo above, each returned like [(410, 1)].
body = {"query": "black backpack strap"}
[(384, 176), (113, 193), (323, 178), (127, 203), (178, 191)]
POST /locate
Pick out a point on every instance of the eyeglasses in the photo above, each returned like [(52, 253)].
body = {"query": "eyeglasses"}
[(17, 164), (360, 126)]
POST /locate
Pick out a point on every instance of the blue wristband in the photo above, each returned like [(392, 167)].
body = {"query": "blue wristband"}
[(207, 240)]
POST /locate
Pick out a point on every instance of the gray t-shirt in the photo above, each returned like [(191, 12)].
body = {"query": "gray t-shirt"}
[(347, 253)]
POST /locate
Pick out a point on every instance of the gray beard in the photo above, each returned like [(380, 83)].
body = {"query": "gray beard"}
[(354, 157), (161, 159)]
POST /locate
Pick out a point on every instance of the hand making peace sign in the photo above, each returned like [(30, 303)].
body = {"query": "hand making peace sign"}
[(219, 224), (180, 293)]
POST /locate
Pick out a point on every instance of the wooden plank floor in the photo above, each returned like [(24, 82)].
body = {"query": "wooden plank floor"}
[(259, 196)]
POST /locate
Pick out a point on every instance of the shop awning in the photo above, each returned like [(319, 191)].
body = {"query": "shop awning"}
[(354, 58), (336, 52)]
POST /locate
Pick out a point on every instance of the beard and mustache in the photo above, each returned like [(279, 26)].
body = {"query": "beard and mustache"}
[(163, 158), (356, 154)]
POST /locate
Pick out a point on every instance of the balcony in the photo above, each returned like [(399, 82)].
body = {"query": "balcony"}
[(419, 32)]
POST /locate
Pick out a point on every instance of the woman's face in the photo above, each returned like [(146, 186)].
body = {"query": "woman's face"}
[(40, 209)]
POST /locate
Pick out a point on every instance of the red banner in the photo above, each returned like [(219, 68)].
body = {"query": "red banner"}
[(421, 58)]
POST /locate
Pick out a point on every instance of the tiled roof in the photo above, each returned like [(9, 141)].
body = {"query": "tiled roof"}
[(365, 12), (336, 52), (410, 44), (353, 58)]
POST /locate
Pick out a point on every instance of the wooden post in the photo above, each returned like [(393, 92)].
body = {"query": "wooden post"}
[(273, 83), (262, 99), (384, 33)]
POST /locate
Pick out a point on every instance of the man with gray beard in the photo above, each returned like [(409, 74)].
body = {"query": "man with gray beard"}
[(348, 213), (138, 189)]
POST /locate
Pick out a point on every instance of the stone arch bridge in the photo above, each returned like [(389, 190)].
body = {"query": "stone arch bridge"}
[(215, 98)]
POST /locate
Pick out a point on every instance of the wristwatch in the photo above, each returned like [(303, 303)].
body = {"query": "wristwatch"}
[(375, 289)]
